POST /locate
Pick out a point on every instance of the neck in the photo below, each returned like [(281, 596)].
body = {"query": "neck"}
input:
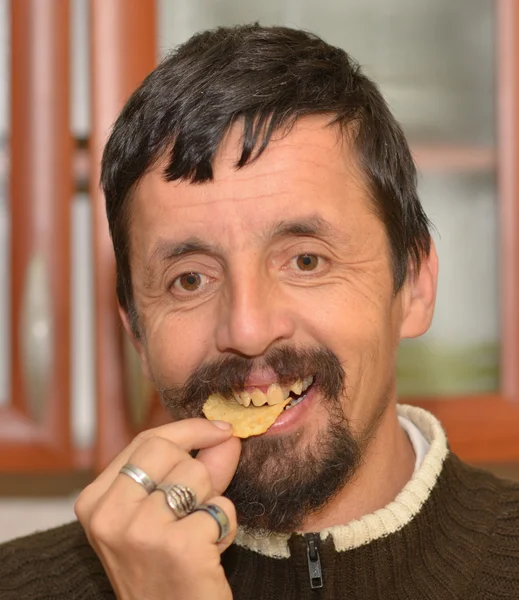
[(387, 465)]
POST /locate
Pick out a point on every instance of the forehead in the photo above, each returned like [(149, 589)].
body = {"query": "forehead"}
[(309, 172)]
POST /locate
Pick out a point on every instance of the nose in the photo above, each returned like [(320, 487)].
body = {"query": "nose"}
[(252, 317)]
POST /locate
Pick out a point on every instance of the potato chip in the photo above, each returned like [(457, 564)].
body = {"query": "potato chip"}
[(245, 421)]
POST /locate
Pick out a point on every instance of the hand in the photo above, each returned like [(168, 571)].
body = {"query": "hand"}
[(146, 551)]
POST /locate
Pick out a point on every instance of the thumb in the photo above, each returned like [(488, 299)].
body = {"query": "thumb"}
[(221, 462)]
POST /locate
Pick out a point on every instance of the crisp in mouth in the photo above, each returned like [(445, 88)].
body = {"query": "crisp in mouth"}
[(252, 412), (276, 393)]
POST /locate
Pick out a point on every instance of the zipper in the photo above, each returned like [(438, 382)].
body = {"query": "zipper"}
[(315, 571)]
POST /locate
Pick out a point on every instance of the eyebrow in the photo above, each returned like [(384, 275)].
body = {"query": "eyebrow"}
[(167, 250), (312, 225)]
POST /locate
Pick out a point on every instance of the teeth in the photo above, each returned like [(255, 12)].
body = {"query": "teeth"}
[(297, 387), (275, 394), (245, 398), (307, 382), (294, 403), (258, 397)]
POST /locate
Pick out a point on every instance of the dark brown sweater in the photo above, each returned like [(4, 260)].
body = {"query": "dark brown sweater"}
[(464, 544)]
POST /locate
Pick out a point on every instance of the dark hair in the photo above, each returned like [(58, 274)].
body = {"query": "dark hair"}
[(269, 77)]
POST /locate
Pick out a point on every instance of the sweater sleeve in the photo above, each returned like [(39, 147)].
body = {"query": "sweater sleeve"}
[(58, 564)]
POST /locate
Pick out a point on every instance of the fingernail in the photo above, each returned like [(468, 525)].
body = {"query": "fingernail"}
[(222, 425)]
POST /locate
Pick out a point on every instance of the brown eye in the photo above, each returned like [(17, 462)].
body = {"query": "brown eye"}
[(307, 262), (189, 282)]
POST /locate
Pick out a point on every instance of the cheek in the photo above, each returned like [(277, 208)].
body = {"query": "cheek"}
[(371, 366), (342, 317), (361, 331), (176, 345)]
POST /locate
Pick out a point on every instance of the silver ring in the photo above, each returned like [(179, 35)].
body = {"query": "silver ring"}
[(180, 498), (139, 476), (219, 516)]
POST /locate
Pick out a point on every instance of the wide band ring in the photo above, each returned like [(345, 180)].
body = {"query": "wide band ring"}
[(180, 498), (219, 516), (139, 476)]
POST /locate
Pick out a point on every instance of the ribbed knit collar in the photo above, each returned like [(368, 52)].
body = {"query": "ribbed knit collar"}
[(384, 521)]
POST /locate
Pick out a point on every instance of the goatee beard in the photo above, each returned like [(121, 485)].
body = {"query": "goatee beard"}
[(280, 480)]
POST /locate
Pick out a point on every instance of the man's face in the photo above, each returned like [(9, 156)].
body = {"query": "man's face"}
[(282, 256)]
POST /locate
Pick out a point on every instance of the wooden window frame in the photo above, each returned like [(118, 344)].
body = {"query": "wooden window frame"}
[(40, 194)]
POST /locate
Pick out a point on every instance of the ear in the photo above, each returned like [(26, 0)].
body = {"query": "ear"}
[(420, 297), (136, 343)]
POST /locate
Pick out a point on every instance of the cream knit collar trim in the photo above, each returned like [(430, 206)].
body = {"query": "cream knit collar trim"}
[(384, 521)]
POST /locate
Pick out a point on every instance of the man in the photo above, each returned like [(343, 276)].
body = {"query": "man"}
[(272, 251)]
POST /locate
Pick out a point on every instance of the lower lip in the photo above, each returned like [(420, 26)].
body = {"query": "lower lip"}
[(293, 417)]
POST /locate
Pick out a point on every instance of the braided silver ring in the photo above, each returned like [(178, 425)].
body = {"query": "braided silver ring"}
[(180, 498), (139, 476), (219, 516)]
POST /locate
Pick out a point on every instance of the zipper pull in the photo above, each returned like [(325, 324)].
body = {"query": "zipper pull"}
[(314, 560)]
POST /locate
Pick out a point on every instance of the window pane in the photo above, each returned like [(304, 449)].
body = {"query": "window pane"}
[(460, 353)]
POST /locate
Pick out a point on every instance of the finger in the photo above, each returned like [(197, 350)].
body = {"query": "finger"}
[(221, 462), (202, 528), (156, 457), (188, 434), (189, 473)]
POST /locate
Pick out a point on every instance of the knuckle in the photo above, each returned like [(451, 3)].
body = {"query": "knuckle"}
[(80, 505), (99, 528), (153, 443), (199, 471), (137, 539), (145, 435), (178, 548), (85, 502), (228, 507)]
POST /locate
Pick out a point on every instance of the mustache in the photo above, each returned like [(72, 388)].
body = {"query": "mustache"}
[(230, 373)]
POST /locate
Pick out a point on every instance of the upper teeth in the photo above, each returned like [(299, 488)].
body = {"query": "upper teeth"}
[(275, 393)]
